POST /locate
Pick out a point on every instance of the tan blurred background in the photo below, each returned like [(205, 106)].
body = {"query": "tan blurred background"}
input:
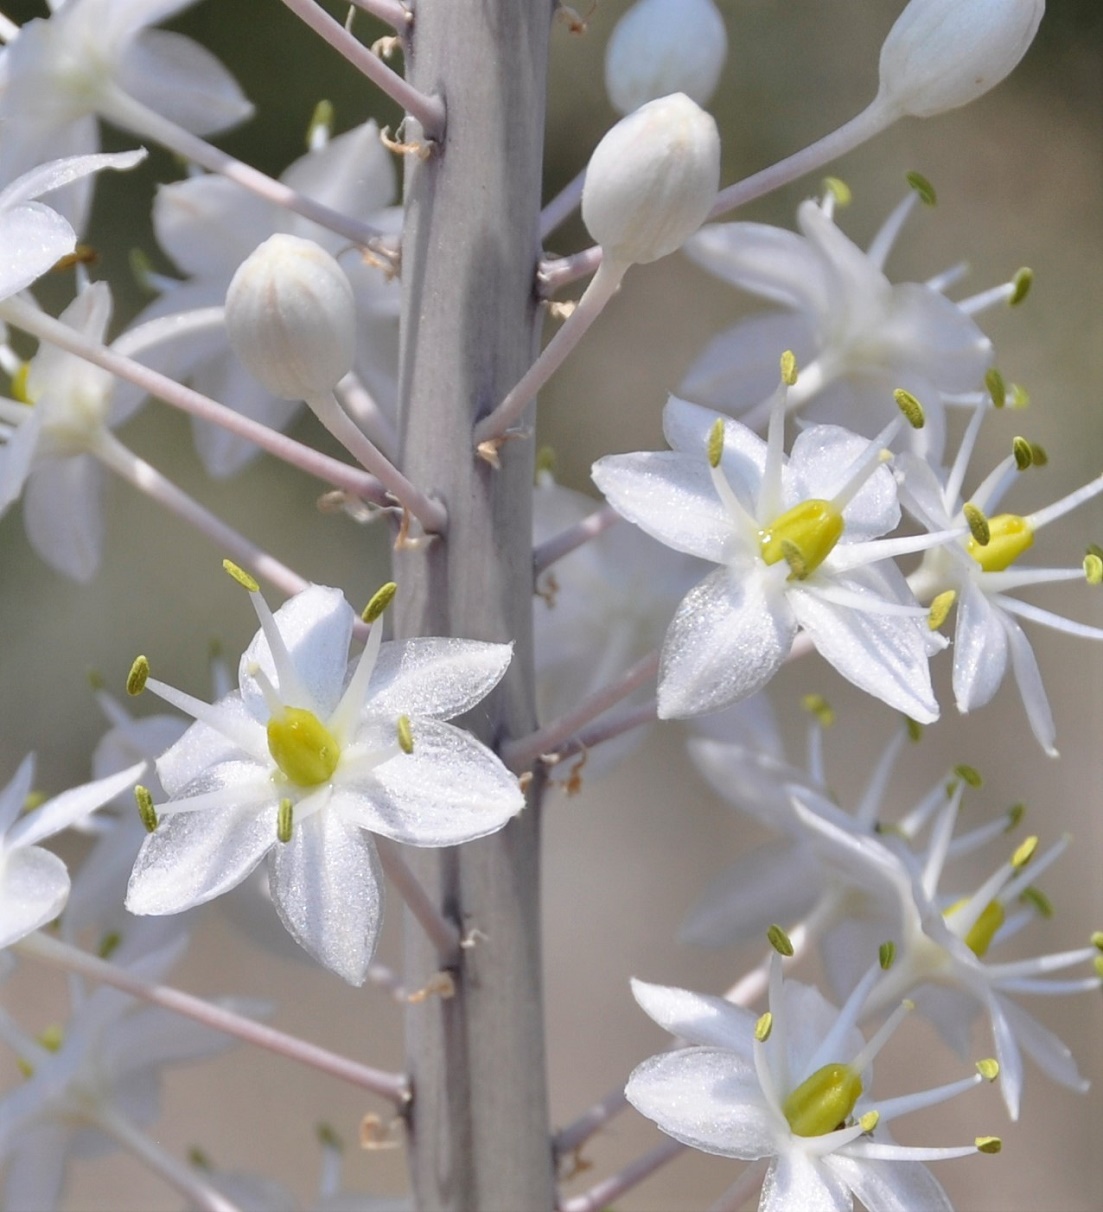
[(1020, 182)]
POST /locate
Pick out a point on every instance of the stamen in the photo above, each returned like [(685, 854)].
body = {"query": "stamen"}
[(997, 387), (285, 820), (940, 608), (380, 600), (1023, 453), (138, 676), (146, 812)]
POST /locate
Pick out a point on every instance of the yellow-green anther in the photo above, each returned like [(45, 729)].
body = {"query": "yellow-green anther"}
[(988, 1144), (1021, 284), (789, 368), (320, 120), (886, 955), (914, 727), (989, 1069), (147, 814), (285, 821), (997, 386), (1097, 965), (1093, 569), (1038, 455), (823, 1102), (1015, 815), (780, 941), (1023, 452), (328, 1138), (1097, 940), (922, 187), (95, 679), (1095, 550), (838, 189), (980, 937), (199, 1159), (33, 800), (1024, 853), (763, 1027), (868, 1123), (136, 678), (941, 606), (716, 443), (405, 734), (109, 944), (818, 706), (1009, 535), (803, 536), (1020, 397), (19, 384), (52, 1038), (978, 524), (241, 576), (545, 459), (380, 600), (141, 269), (25, 1067), (302, 746), (969, 775), (1037, 900), (910, 407)]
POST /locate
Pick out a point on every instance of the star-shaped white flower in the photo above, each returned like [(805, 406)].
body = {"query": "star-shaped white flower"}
[(792, 1087), (34, 883), (979, 577), (308, 758), (797, 543), (60, 71), (857, 335)]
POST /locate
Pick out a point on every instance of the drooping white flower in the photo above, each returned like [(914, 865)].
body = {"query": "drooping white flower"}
[(796, 541), (209, 226), (34, 883), (659, 47), (979, 577), (60, 71), (791, 1087), (64, 419), (308, 758), (858, 336), (941, 54), (651, 181)]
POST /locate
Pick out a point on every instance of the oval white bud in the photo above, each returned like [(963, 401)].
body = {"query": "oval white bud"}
[(944, 53), (290, 317), (665, 46), (652, 180)]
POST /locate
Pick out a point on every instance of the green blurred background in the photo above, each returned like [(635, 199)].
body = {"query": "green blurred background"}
[(1020, 181)]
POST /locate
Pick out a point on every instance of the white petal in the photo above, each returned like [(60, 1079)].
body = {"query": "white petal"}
[(890, 1186), (18, 453), (202, 748), (15, 792), (698, 1018), (921, 493), (193, 857), (729, 637), (1028, 677), (669, 495), (327, 887), (800, 1181), (980, 648), (450, 789), (57, 173), (63, 516), (353, 174), (925, 330), (1050, 1054), (34, 885), (435, 677), (208, 226), (707, 1098), (68, 807), (32, 238), (36, 1170), (822, 460), (687, 428)]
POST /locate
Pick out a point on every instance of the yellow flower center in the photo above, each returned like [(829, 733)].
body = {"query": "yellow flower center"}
[(803, 536), (303, 747), (1009, 536), (823, 1102)]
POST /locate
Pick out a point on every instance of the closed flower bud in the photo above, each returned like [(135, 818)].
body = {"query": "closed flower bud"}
[(665, 46), (290, 318), (652, 180), (944, 53)]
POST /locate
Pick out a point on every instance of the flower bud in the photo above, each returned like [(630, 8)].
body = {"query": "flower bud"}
[(652, 180), (944, 53), (290, 317), (665, 46)]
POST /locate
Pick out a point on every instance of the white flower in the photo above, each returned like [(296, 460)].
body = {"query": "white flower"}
[(979, 578), (308, 758), (858, 337), (791, 1087), (59, 72), (796, 542), (652, 180), (660, 47), (33, 235), (944, 53), (51, 452), (209, 226), (34, 883)]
